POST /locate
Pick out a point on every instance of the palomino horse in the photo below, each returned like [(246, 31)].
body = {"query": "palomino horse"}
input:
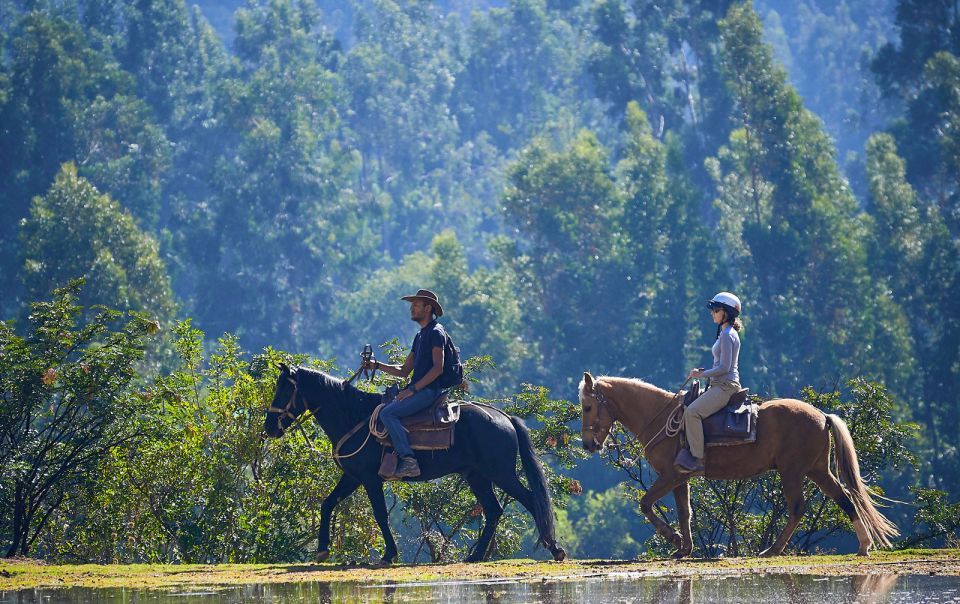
[(793, 438), (485, 451)]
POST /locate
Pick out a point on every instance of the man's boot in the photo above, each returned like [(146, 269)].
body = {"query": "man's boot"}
[(407, 468), (687, 463)]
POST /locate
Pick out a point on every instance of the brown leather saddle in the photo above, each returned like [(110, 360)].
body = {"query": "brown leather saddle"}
[(735, 424), (429, 430)]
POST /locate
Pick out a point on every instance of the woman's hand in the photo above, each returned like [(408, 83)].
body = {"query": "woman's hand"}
[(695, 373)]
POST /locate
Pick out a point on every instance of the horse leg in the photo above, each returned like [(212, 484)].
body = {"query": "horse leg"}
[(793, 493), (681, 495), (660, 488), (492, 511), (832, 488), (514, 488), (344, 488), (379, 504)]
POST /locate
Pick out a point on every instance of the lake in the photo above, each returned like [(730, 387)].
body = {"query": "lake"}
[(727, 588)]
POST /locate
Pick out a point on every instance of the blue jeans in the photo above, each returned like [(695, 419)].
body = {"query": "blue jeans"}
[(390, 416)]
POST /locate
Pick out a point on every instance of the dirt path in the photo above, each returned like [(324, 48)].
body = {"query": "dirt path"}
[(24, 574)]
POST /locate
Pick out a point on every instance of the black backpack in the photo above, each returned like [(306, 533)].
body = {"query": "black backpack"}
[(452, 367)]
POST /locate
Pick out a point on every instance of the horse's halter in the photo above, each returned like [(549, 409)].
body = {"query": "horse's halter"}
[(603, 404), (287, 410)]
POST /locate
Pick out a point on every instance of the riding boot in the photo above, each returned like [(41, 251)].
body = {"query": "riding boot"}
[(407, 468), (687, 463)]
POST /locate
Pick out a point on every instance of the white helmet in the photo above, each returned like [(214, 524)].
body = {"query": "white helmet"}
[(727, 301)]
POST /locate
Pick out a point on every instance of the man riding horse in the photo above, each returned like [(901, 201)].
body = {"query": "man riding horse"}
[(427, 360)]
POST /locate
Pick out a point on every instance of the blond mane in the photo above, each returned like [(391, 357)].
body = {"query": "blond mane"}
[(634, 386)]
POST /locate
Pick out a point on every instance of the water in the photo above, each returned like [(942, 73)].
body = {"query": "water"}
[(729, 589)]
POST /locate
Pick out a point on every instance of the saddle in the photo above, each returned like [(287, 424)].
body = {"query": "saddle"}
[(429, 430), (735, 424)]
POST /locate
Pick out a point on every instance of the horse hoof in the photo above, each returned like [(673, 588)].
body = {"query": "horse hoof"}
[(864, 552), (681, 554), (471, 559), (559, 554), (386, 561), (322, 555)]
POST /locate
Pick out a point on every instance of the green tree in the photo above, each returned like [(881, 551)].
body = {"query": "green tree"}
[(791, 227), (64, 407), (912, 249), (75, 231)]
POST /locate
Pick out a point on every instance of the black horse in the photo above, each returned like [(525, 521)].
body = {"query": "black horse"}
[(485, 454)]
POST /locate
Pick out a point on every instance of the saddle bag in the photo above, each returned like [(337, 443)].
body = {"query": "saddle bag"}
[(735, 424)]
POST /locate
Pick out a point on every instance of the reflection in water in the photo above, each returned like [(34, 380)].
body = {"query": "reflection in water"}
[(707, 588)]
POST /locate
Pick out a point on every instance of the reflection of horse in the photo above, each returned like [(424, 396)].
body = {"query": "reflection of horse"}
[(485, 452), (793, 438)]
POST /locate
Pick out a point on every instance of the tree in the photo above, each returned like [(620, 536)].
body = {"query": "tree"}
[(75, 231), (65, 405), (913, 251), (791, 228)]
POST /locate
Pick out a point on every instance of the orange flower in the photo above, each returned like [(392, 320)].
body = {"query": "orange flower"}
[(551, 441), (49, 376), (575, 488), (476, 510)]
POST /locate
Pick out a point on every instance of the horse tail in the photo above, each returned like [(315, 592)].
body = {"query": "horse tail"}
[(879, 528), (542, 506)]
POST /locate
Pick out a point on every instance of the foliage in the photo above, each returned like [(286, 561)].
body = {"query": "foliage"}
[(572, 178), (99, 242), (939, 517), (200, 484), (65, 407)]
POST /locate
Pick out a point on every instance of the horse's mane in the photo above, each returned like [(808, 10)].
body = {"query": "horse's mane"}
[(334, 392), (633, 386)]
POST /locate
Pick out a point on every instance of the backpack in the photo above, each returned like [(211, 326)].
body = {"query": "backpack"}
[(452, 367)]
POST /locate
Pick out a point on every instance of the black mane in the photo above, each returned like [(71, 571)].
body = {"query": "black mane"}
[(333, 394)]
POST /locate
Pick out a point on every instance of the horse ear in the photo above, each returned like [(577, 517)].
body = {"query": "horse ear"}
[(588, 380), (284, 368)]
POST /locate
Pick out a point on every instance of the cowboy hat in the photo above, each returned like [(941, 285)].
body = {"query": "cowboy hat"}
[(427, 296)]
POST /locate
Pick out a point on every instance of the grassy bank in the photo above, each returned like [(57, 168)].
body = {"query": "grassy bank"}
[(23, 574)]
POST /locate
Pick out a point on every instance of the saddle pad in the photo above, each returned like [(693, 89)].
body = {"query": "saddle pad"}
[(731, 426)]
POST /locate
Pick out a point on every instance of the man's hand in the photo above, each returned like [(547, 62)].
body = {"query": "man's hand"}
[(405, 393), (370, 364)]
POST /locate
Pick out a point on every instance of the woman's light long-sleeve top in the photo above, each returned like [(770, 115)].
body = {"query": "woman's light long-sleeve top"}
[(726, 357)]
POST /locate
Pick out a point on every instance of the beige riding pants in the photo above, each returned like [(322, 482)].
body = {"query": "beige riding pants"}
[(714, 399)]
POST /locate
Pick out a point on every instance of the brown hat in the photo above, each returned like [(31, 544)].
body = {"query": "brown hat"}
[(427, 296)]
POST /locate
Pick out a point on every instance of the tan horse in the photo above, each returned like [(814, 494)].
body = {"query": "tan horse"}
[(793, 438)]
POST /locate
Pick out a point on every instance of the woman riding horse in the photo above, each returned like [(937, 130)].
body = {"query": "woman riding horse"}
[(724, 379), (793, 437)]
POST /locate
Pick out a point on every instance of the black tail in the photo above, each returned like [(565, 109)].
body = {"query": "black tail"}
[(542, 506)]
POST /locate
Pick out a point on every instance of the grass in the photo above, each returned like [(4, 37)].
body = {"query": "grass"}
[(25, 574)]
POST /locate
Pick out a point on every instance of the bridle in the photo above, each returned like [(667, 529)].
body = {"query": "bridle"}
[(603, 404), (670, 428), (287, 410)]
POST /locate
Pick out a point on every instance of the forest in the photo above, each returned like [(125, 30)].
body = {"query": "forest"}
[(195, 193)]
